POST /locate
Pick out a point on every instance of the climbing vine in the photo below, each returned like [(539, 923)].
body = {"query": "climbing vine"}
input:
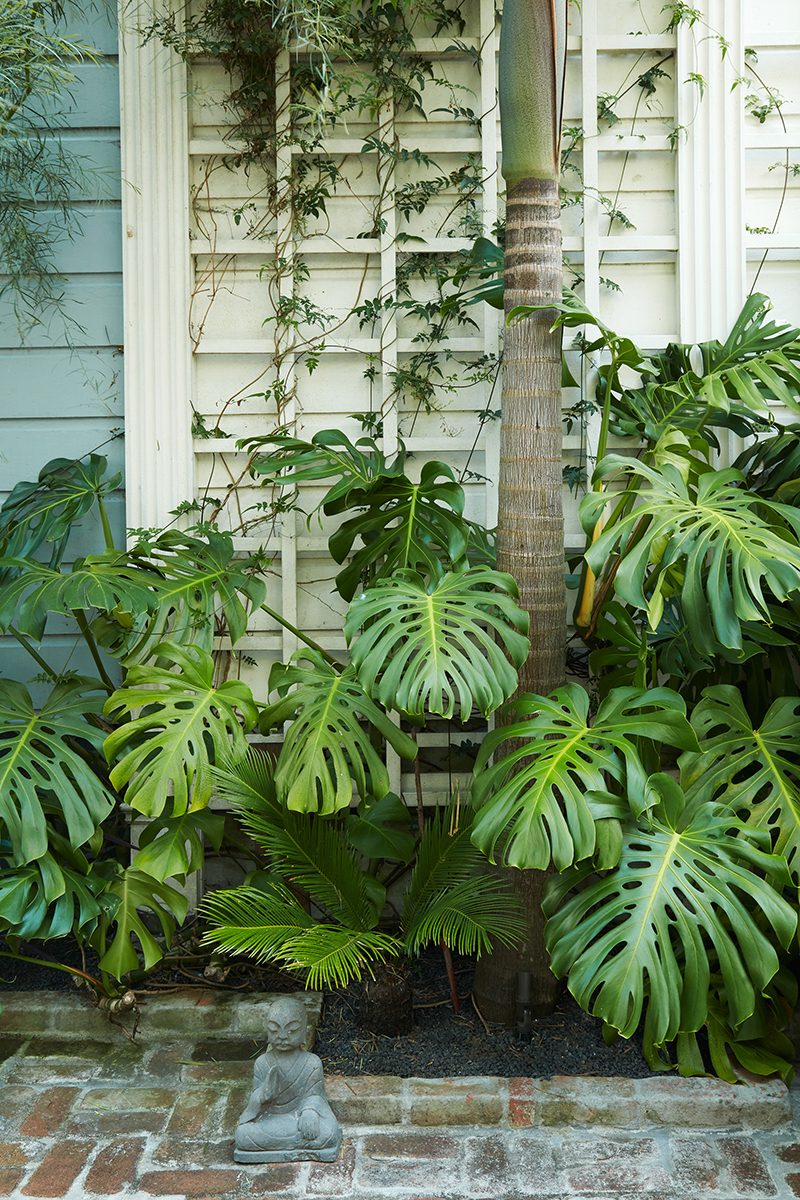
[(300, 75)]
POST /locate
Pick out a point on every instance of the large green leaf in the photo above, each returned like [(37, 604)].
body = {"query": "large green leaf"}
[(543, 799), (174, 845), (430, 648), (687, 878), (755, 771), (48, 899), (327, 745), (270, 925), (373, 829), (727, 543), (184, 720), (406, 525), (758, 364), (41, 764), (133, 890), (196, 581), (105, 582), (771, 465), (485, 262), (172, 587), (329, 455), (46, 510)]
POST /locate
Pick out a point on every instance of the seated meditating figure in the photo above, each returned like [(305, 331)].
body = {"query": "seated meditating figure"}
[(288, 1117)]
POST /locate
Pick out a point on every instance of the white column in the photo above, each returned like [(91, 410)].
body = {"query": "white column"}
[(156, 275), (491, 175), (710, 191)]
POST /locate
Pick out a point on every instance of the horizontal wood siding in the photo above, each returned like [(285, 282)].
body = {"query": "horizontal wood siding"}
[(61, 392)]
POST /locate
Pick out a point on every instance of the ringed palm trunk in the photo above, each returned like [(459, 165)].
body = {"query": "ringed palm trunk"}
[(530, 536)]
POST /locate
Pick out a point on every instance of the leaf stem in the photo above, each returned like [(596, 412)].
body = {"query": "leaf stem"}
[(88, 637), (303, 637), (107, 534), (23, 641), (90, 979)]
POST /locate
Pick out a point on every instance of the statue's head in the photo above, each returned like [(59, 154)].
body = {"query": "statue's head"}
[(286, 1024)]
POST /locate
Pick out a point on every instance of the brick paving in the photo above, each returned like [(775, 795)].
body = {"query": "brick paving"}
[(97, 1118)]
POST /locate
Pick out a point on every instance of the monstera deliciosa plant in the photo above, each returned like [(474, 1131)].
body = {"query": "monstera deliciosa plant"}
[(441, 634), (146, 619), (672, 814)]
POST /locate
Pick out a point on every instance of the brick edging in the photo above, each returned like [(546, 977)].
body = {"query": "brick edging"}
[(563, 1100), (197, 1012)]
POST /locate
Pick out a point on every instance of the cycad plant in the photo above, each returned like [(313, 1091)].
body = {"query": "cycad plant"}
[(318, 908)]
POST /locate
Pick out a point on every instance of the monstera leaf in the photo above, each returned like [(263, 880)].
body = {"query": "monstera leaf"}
[(757, 1044), (373, 829), (271, 926), (105, 582), (327, 740), (726, 543), (185, 718), (49, 899), (172, 588), (195, 580), (485, 263), (547, 798), (432, 648), (45, 511), (755, 772), (329, 455), (174, 845), (133, 890), (406, 526), (41, 765), (686, 877)]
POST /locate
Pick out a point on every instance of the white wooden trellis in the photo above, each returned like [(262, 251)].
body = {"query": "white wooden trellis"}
[(683, 271)]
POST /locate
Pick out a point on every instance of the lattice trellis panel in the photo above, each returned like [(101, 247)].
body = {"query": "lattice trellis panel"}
[(200, 339)]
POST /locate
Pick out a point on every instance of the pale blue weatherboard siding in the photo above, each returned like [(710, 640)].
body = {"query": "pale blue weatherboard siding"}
[(57, 402)]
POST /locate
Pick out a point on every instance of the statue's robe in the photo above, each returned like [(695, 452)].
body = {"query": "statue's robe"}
[(269, 1128)]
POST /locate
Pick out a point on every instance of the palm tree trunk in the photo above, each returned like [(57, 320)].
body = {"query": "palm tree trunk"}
[(530, 535)]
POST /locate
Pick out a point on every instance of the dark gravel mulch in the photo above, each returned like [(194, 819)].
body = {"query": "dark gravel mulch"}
[(441, 1043)]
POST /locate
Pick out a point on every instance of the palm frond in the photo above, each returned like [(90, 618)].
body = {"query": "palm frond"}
[(253, 922), (333, 954), (468, 917), (311, 853), (445, 858), (248, 782)]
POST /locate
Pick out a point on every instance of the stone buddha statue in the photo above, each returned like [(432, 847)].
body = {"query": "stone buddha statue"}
[(288, 1118)]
